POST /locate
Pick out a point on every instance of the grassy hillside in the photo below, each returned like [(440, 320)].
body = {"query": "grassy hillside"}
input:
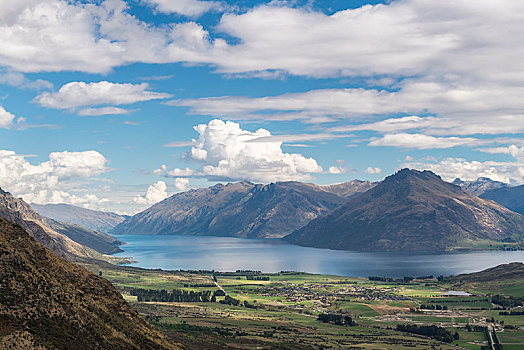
[(48, 302)]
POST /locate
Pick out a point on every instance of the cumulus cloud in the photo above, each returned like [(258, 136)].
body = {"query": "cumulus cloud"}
[(181, 184), (6, 118), (154, 194), (336, 170), (372, 170), (177, 172), (52, 181), (77, 94), (190, 8), (228, 152)]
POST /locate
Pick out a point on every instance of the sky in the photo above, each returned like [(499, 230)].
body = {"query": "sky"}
[(115, 105)]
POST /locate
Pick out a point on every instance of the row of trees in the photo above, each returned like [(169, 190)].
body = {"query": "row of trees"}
[(433, 307), (506, 301), (462, 300), (340, 320), (230, 301), (434, 332), (177, 295), (257, 278), (511, 313)]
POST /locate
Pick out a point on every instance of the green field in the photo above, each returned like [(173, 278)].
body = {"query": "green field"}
[(283, 310)]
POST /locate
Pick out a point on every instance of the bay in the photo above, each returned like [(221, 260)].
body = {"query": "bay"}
[(231, 254)]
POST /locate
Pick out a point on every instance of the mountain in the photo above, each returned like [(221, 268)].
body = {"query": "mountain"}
[(47, 302), (479, 186), (240, 209), (411, 211), (66, 240), (349, 189), (510, 197), (90, 219)]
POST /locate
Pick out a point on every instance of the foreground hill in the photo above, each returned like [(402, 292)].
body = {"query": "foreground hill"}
[(47, 302), (479, 186), (66, 240), (510, 197), (240, 209), (90, 219), (411, 211)]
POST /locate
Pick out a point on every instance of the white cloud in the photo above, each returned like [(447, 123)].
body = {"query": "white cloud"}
[(452, 168), (337, 170), (514, 150), (6, 118), (464, 38), (190, 8), (21, 81), (424, 141), (54, 180), (459, 110), (181, 184), (177, 172), (160, 170), (94, 112), (175, 144), (77, 94), (229, 152), (372, 170), (155, 193)]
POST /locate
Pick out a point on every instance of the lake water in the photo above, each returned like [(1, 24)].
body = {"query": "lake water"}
[(230, 254)]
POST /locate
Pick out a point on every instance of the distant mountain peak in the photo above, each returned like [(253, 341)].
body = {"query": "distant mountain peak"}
[(88, 218), (479, 186), (66, 240), (410, 210)]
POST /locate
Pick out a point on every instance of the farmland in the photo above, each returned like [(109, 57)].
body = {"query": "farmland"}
[(280, 310)]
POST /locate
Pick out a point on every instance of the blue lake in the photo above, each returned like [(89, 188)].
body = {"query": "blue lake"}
[(230, 254)]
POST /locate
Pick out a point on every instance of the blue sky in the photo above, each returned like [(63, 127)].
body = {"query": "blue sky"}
[(116, 104)]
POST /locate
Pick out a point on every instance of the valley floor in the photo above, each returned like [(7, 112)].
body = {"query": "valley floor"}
[(279, 311)]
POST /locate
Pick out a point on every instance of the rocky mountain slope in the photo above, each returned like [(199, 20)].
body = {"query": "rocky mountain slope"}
[(66, 240), (349, 189), (47, 302), (240, 209), (479, 186), (511, 271), (411, 211), (90, 219), (510, 197)]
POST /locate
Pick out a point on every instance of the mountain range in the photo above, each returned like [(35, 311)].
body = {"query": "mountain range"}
[(479, 186), (411, 211), (66, 240), (241, 209), (47, 302), (408, 211), (91, 219)]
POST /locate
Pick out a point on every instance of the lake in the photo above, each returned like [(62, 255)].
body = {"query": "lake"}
[(230, 254)]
